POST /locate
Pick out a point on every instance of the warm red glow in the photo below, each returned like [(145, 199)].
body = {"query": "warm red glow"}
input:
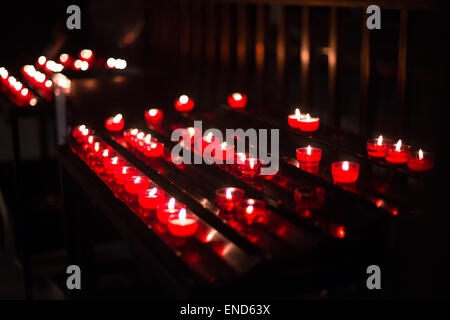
[(24, 92), (340, 232), (86, 54), (237, 96), (249, 210), (379, 203), (394, 212), (117, 118), (64, 57)]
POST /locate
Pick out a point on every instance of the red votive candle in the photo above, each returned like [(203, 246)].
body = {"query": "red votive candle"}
[(77, 131), (151, 198), (420, 161), (121, 174), (165, 210), (86, 55), (182, 224), (136, 184), (311, 198), (154, 116), (229, 198), (398, 153), (225, 153), (308, 124), (154, 149), (237, 100), (130, 134), (309, 156), (203, 142), (377, 147), (145, 142), (110, 164), (250, 167), (115, 123), (294, 119), (184, 103), (345, 171), (252, 210), (83, 136)]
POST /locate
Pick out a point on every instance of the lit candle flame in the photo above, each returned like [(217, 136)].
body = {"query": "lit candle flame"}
[(115, 160), (228, 194), (153, 146), (134, 132), (82, 127), (297, 113), (24, 92), (91, 139), (171, 204), (251, 202), (33, 102), (191, 131), (148, 138), (308, 150), (140, 135), (183, 99), (106, 153), (380, 140), (209, 137), (345, 166), (137, 180), (86, 53), (124, 170), (63, 57), (252, 163), (237, 96), (243, 157), (152, 112), (182, 214), (85, 132), (420, 154), (97, 146), (249, 210), (117, 118), (152, 192), (398, 145), (223, 146), (42, 60), (308, 117)]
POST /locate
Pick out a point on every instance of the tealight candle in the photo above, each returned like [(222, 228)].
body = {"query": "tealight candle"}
[(165, 210), (151, 198), (77, 131), (309, 156), (84, 136), (112, 163), (184, 103), (250, 167), (229, 198), (294, 119), (121, 174), (225, 153), (311, 198), (136, 184), (420, 161), (115, 123), (398, 153), (308, 124), (154, 149), (252, 210), (345, 171), (182, 224), (237, 100), (154, 116), (377, 147)]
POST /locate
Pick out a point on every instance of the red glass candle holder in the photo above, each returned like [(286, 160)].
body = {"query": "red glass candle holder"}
[(77, 131), (154, 149), (309, 156), (165, 210), (184, 103), (420, 161), (115, 123), (311, 198), (182, 224), (398, 153), (252, 211), (228, 199), (136, 184), (308, 124), (151, 198), (237, 100), (122, 173), (154, 116), (345, 171), (294, 119), (377, 147), (251, 167)]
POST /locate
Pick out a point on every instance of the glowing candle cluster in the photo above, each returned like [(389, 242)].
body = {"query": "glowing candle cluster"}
[(38, 80), (304, 122), (143, 144), (133, 187), (15, 90)]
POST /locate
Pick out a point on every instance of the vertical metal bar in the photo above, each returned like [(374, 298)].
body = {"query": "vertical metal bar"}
[(305, 57), (241, 48), (364, 78), (401, 71), (332, 62), (225, 35), (281, 52), (260, 50)]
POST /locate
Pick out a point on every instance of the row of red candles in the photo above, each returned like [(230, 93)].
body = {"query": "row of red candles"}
[(15, 90), (38, 80)]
